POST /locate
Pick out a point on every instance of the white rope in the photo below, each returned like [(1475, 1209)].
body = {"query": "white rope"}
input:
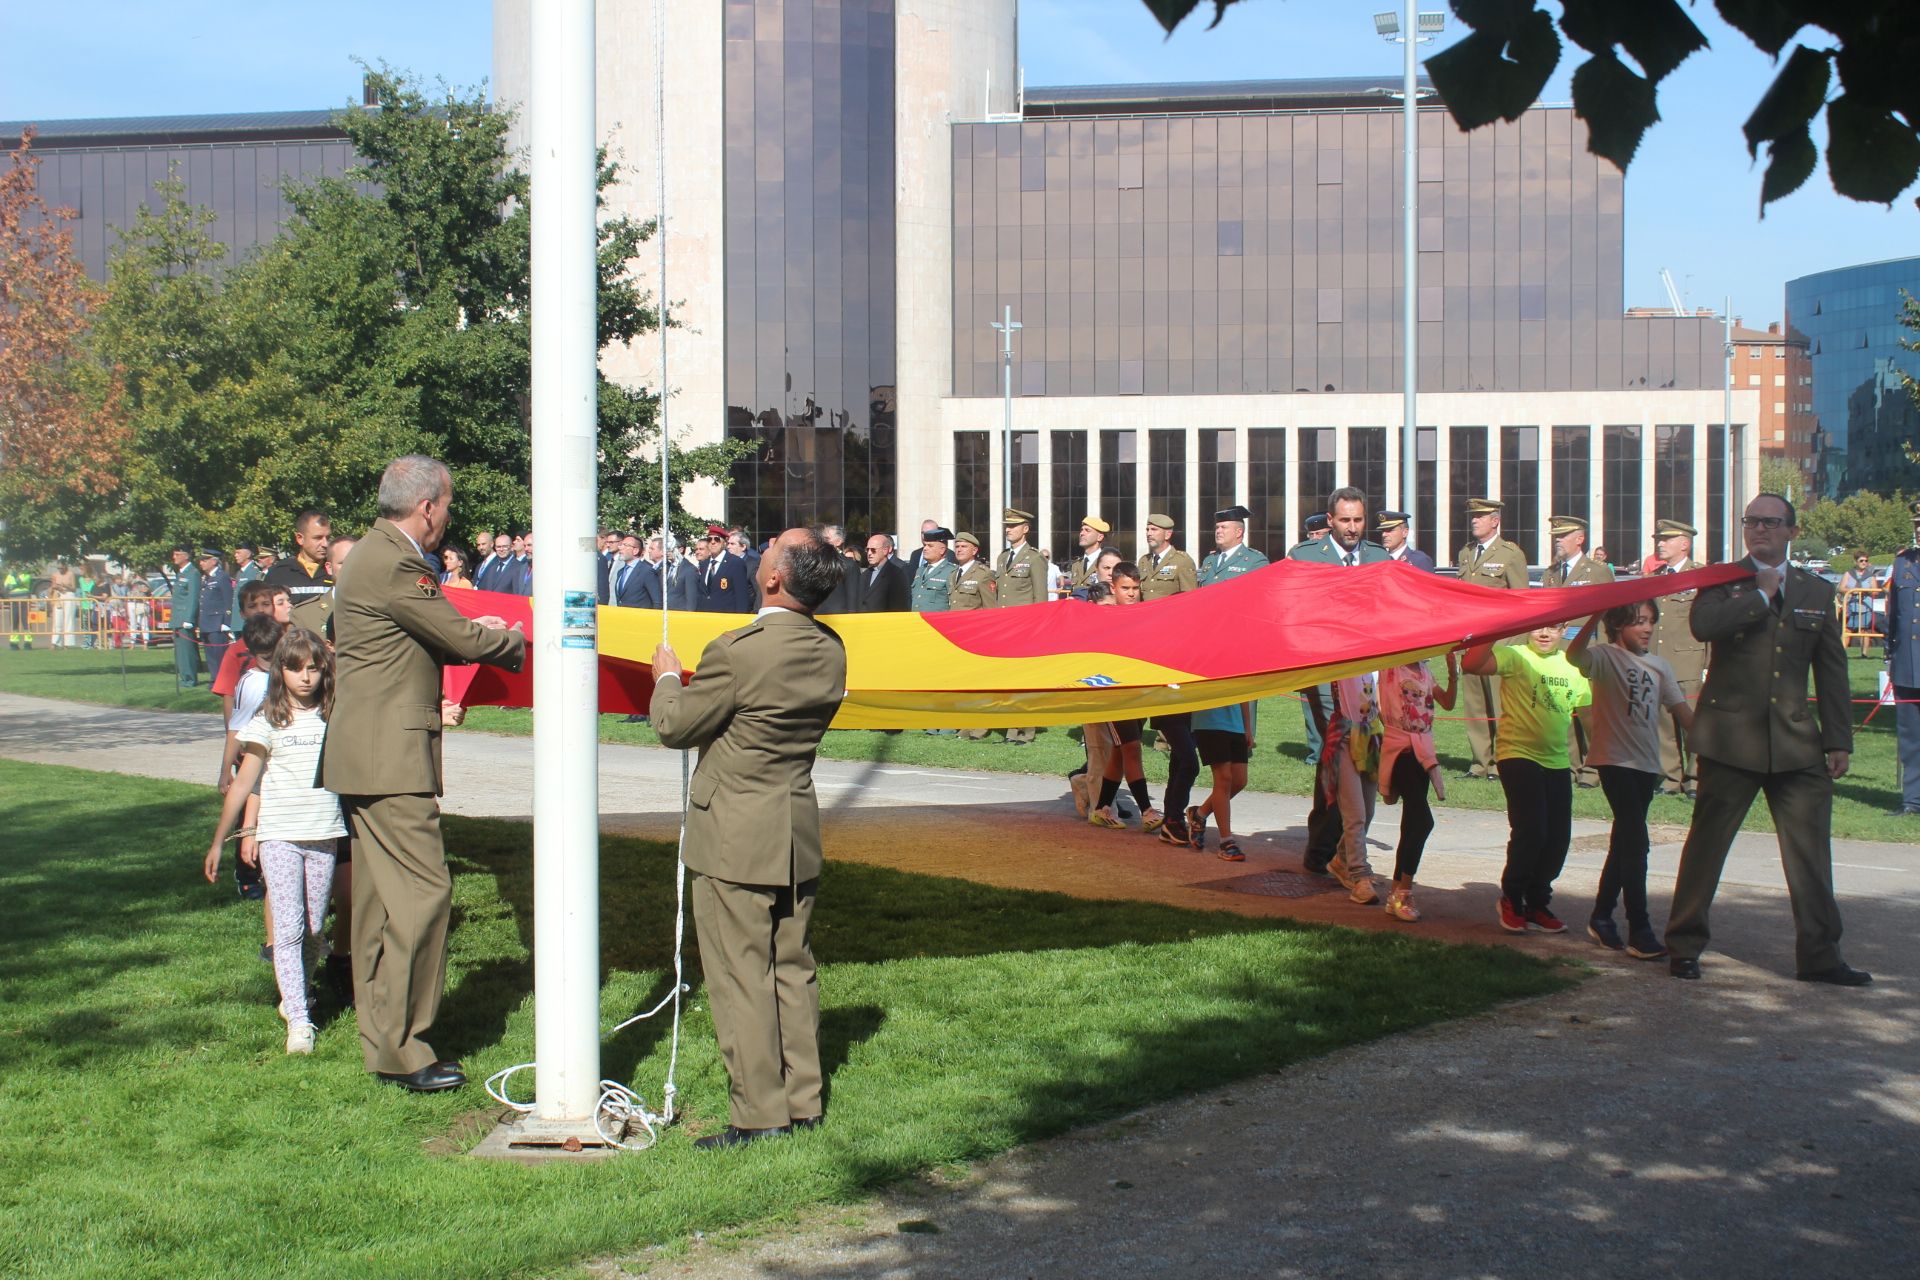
[(620, 1109)]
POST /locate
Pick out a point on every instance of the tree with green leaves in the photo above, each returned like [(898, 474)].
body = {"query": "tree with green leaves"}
[(1851, 61), (1875, 523)]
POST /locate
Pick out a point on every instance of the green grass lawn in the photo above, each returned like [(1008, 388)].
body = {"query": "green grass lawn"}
[(1861, 800), (153, 1126)]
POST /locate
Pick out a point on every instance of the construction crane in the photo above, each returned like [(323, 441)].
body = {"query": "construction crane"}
[(1673, 292)]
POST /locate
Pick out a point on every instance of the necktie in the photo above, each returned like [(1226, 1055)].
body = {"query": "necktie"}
[(1349, 559), (621, 585), (1779, 601)]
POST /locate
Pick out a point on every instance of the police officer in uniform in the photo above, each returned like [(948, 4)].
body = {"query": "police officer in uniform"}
[(1081, 573), (932, 589), (1020, 578), (1234, 556), (1165, 570), (1673, 640), (392, 631), (1488, 560), (1573, 567), (184, 618), (1903, 664), (216, 607)]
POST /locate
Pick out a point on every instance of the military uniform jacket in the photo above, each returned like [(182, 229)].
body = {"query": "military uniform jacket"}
[(393, 631), (311, 593), (1501, 565), (1222, 565), (216, 602), (251, 572), (1022, 577), (1673, 633), (972, 587), (1168, 574), (758, 704), (1586, 572), (933, 585), (186, 600), (1081, 574), (1327, 551), (1903, 619), (1753, 712), (1415, 557)]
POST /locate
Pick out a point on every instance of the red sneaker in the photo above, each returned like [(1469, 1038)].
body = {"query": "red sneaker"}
[(1510, 920), (1545, 921)]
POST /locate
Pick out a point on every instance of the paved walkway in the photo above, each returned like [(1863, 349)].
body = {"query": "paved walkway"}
[(1744, 1125)]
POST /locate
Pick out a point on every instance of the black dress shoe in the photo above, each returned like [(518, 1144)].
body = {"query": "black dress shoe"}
[(435, 1077), (634, 719), (732, 1137), (1681, 968), (1840, 975), (808, 1122)]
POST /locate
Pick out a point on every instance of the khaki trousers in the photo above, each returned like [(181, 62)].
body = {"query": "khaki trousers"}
[(1676, 773), (402, 897), (1480, 704), (756, 950), (1801, 803)]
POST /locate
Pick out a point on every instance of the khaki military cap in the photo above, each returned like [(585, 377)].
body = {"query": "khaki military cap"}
[(1485, 506), (1014, 515), (1563, 525), (967, 538), (1673, 529), (1389, 520), (1096, 524), (1160, 520)]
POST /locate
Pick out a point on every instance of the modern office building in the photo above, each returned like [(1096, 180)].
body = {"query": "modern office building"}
[(1207, 279), (1864, 410)]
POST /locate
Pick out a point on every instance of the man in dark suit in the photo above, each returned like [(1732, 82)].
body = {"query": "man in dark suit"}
[(763, 698), (216, 607), (727, 586), (627, 582), (392, 631), (681, 573), (605, 560), (884, 585), (1752, 733), (845, 597), (493, 570), (1394, 531)]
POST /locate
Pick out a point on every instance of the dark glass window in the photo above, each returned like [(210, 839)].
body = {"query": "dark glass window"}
[(1218, 484), (973, 485), (1572, 463), (1318, 474), (810, 263), (1367, 465), (1716, 548), (1167, 477), (1069, 492), (1026, 472), (1620, 519), (1120, 488), (1672, 475), (1266, 491), (1426, 477), (1520, 488), (1466, 474)]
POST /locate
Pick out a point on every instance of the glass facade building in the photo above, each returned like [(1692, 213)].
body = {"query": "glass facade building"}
[(1850, 320)]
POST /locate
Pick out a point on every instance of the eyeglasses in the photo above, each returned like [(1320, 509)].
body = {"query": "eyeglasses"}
[(1762, 522)]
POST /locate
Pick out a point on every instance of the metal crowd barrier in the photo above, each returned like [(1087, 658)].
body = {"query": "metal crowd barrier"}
[(1852, 602), (87, 622)]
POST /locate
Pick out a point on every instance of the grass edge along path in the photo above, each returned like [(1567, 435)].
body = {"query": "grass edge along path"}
[(1860, 807), (154, 1126)]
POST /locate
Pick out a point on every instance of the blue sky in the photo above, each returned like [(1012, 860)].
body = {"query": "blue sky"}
[(1692, 198)]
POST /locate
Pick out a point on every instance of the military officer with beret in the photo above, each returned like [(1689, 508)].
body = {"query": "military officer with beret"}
[(1234, 556), (1394, 531), (1165, 570), (1489, 560), (932, 588), (1673, 640), (392, 631), (1082, 573), (1020, 578), (1903, 663)]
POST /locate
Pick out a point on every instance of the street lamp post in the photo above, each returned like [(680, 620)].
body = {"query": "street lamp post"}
[(1007, 327), (1417, 29)]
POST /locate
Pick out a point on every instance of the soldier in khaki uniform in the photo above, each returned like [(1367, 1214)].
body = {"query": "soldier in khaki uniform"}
[(1573, 567), (1020, 578), (392, 631), (1165, 570), (1490, 561), (1673, 640), (1754, 733), (972, 588), (756, 709), (1082, 573)]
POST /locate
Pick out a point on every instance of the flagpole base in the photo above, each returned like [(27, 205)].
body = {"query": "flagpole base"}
[(528, 1139)]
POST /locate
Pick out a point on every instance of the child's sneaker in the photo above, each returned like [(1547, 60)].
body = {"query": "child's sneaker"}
[(1604, 931), (1510, 920), (1400, 906), (1151, 820), (1361, 891), (1098, 817), (300, 1037)]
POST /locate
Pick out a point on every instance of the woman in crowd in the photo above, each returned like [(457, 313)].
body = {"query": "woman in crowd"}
[(456, 574), (1859, 607)]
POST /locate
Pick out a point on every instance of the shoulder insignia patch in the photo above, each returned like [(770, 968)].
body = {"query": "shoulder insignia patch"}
[(428, 587)]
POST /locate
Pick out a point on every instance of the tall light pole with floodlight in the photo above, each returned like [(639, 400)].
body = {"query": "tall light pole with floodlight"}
[(1416, 29)]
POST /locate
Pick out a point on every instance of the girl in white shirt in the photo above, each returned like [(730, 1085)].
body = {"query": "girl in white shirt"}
[(298, 823)]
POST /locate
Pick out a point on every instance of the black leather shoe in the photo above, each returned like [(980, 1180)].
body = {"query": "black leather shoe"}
[(732, 1137), (435, 1077), (808, 1122), (1903, 813), (1680, 968), (1840, 975)]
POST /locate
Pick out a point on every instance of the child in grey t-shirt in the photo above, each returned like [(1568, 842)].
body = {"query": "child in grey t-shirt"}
[(1631, 689)]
